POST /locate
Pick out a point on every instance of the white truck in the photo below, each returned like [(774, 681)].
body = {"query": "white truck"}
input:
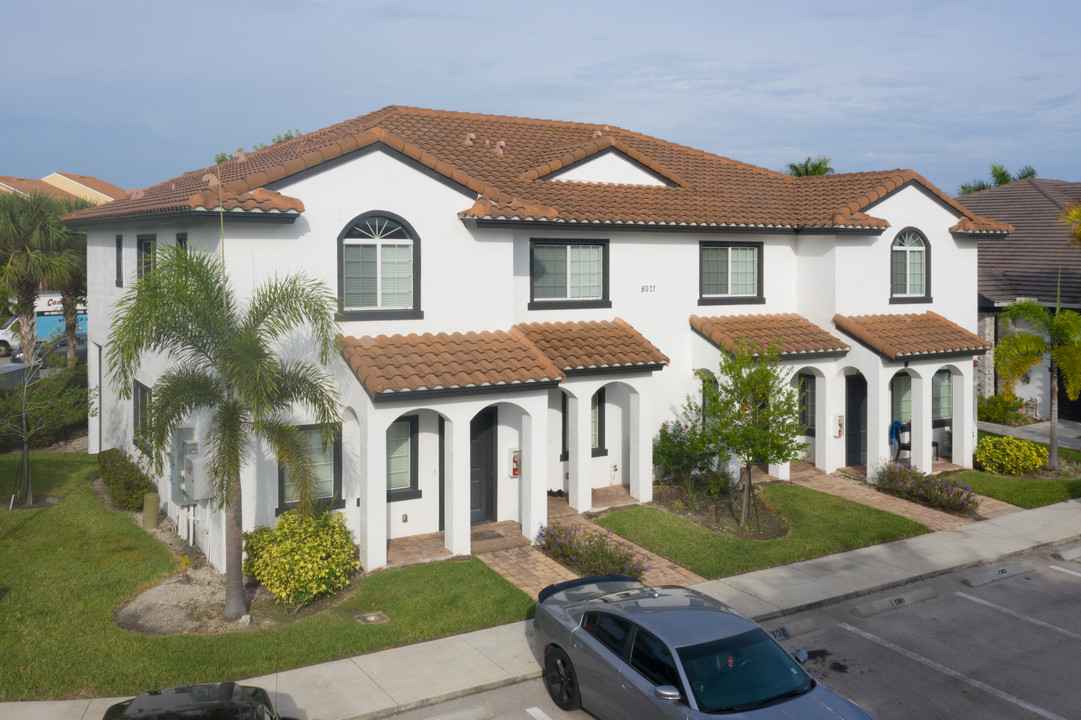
[(50, 321)]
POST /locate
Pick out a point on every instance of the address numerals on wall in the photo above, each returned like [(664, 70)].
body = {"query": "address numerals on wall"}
[(649, 288)]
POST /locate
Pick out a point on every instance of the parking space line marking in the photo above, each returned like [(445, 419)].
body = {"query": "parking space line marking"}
[(1019, 616), (538, 713), (1068, 572), (953, 673)]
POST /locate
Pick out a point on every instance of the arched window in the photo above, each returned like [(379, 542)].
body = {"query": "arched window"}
[(910, 268), (378, 268)]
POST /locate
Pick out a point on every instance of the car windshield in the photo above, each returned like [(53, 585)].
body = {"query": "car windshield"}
[(742, 672)]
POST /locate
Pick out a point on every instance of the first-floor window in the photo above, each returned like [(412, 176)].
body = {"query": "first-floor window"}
[(568, 272), (596, 422), (564, 449), (941, 398), (141, 402), (730, 273), (402, 459), (901, 391), (807, 401), (326, 464)]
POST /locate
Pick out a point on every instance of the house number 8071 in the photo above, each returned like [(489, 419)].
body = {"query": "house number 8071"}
[(649, 288)]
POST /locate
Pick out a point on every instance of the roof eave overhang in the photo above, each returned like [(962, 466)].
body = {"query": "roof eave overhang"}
[(232, 216), (784, 357), (613, 369), (713, 228), (411, 395)]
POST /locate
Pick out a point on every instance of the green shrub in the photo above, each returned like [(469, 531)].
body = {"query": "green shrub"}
[(1009, 455), (125, 480), (678, 452), (301, 559), (589, 553), (946, 493), (1001, 410)]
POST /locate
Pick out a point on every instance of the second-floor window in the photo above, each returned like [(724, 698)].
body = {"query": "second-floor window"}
[(568, 274), (147, 245), (730, 273), (379, 269), (909, 268)]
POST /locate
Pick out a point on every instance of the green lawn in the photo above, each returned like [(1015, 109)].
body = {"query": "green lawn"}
[(1023, 492), (820, 524), (65, 569)]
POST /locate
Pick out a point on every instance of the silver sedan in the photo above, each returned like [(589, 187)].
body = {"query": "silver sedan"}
[(622, 650)]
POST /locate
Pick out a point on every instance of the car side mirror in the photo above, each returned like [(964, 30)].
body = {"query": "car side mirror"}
[(667, 692), (801, 656)]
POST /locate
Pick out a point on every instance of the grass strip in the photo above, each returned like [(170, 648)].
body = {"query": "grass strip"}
[(1025, 492), (820, 524)]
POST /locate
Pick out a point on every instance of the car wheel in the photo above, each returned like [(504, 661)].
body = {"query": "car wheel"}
[(561, 681), (5, 349)]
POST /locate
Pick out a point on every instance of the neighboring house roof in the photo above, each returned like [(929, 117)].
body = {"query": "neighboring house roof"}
[(911, 336), (28, 186), (577, 347), (97, 185), (794, 334), (504, 163), (1028, 262), (391, 366)]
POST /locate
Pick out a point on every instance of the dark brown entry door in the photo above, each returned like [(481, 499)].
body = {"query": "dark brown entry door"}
[(855, 420), (482, 431)]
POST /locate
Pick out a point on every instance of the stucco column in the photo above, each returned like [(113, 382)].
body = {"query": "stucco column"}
[(372, 533), (921, 423), (579, 455), (878, 419), (964, 419), (640, 435), (456, 492), (534, 497)]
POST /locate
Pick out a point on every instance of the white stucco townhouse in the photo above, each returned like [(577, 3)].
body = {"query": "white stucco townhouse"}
[(525, 301)]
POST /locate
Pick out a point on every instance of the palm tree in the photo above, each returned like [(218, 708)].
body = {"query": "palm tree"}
[(1055, 334), (1071, 218), (71, 285), (224, 364), (32, 250), (818, 165), (999, 176)]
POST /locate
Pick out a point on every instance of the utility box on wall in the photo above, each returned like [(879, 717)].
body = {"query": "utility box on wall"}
[(184, 445), (197, 478)]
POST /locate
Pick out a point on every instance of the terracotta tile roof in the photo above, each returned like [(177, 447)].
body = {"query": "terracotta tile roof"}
[(390, 366), (1033, 207), (27, 186), (795, 334), (504, 160), (96, 184), (912, 335), (581, 346)]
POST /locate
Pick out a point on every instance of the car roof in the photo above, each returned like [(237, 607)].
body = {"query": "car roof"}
[(680, 616)]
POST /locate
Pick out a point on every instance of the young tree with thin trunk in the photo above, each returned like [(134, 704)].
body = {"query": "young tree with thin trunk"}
[(225, 365)]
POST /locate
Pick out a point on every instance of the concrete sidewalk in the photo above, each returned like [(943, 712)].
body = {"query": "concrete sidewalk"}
[(1069, 432), (382, 683)]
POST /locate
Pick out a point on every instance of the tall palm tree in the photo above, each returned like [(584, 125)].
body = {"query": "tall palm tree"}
[(999, 176), (1054, 334), (818, 165), (71, 285), (32, 250), (224, 364)]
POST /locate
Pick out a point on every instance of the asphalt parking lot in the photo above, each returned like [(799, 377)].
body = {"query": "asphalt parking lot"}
[(997, 642)]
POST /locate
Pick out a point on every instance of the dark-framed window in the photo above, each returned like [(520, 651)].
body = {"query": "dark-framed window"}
[(596, 423), (730, 273), (402, 459), (327, 463), (182, 242), (942, 399), (564, 435), (568, 274), (910, 268), (808, 401), (901, 398), (120, 261), (147, 246), (379, 268), (140, 396)]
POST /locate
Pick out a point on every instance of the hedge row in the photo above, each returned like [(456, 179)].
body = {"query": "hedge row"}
[(126, 482)]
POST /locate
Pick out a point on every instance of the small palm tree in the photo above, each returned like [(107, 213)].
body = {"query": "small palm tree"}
[(818, 165), (1071, 218), (1054, 334), (33, 250), (999, 176), (225, 365)]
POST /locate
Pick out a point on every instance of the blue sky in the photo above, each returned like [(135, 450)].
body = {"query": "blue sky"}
[(138, 92)]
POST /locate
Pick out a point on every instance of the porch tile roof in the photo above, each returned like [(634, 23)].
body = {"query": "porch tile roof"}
[(911, 335), (389, 365), (795, 334), (505, 163), (578, 346)]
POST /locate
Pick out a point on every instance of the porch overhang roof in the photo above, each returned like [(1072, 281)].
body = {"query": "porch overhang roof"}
[(579, 348), (912, 336), (794, 335)]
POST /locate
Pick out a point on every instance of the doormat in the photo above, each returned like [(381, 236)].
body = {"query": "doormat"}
[(485, 535)]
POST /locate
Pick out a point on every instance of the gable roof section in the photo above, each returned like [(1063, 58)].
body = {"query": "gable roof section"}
[(578, 347), (911, 336), (504, 160), (97, 185), (794, 334), (28, 186), (1033, 207), (390, 367)]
